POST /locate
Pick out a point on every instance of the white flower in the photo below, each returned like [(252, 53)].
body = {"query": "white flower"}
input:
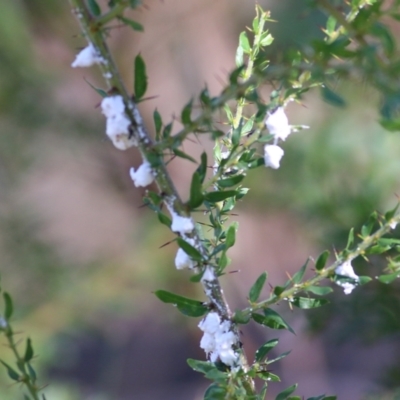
[(346, 270), (143, 176), (272, 155), (87, 57), (278, 124), (181, 224)]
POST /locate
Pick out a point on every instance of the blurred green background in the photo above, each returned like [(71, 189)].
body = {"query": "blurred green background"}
[(81, 257)]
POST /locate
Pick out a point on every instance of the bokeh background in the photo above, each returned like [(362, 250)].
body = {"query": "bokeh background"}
[(81, 257)]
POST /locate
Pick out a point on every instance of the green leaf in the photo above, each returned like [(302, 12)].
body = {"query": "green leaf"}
[(200, 366), (391, 213), (319, 290), (232, 181), (266, 39), (256, 289), (321, 261), (272, 319), (133, 24), (286, 393), (231, 235), (11, 372), (307, 303), (215, 392), (239, 56), (330, 25), (258, 162), (256, 24), (191, 251), (298, 276), (140, 85), (389, 278), (164, 219), (167, 130), (135, 3), (244, 42), (101, 92), (381, 31), (202, 169), (322, 397), (189, 307), (8, 310), (157, 123), (186, 113), (265, 349), (331, 97), (196, 194), (32, 373), (28, 351), (94, 8), (362, 280), (215, 197), (241, 317), (181, 154)]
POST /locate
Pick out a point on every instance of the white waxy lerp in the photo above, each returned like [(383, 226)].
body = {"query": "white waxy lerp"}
[(346, 270), (272, 156), (277, 124), (87, 57), (143, 176)]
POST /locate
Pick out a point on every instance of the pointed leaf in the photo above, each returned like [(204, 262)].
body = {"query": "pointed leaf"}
[(157, 123), (283, 355), (140, 85), (389, 278), (232, 181), (331, 97), (215, 392), (298, 276), (350, 239), (181, 154), (189, 307), (191, 251), (202, 169), (256, 289), (164, 219), (215, 197), (28, 351), (133, 24), (186, 113), (265, 349), (319, 290), (272, 319), (11, 372), (196, 193), (8, 310), (94, 8), (306, 302), (231, 235), (32, 373), (321, 261), (286, 393)]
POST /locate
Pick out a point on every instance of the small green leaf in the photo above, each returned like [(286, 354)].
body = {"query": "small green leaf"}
[(307, 303), (157, 123), (389, 278), (298, 276), (215, 392), (181, 154), (258, 162), (140, 85), (191, 251), (330, 25), (186, 113), (362, 280), (391, 213), (265, 349), (101, 92), (256, 289), (256, 24), (241, 317), (350, 239), (28, 351), (202, 169), (11, 372), (133, 24), (8, 310), (331, 97), (232, 181), (244, 42), (231, 235), (203, 367), (266, 39), (164, 219), (283, 355), (272, 319), (189, 307), (215, 197), (319, 290), (286, 393), (239, 56), (196, 194), (32, 373), (94, 8), (321, 261)]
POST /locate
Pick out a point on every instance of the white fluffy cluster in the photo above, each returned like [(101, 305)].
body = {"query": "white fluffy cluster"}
[(181, 224), (218, 339), (117, 129), (393, 225), (88, 57), (278, 125), (272, 155), (3, 323), (143, 176), (182, 259), (346, 269)]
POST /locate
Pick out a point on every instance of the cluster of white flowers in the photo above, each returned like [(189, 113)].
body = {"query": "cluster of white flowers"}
[(278, 125), (143, 176), (88, 57), (346, 270), (182, 259), (218, 339), (118, 123)]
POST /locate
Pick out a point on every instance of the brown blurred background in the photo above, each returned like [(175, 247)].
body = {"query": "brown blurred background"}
[(81, 256)]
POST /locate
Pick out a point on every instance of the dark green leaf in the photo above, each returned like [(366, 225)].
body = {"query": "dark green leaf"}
[(389, 278), (231, 235), (331, 97), (28, 351), (215, 197), (236, 73), (283, 355), (286, 393), (272, 319), (256, 289), (202, 169), (265, 349), (101, 92), (196, 194), (189, 307), (157, 123), (362, 280), (181, 154), (391, 213), (32, 373), (164, 219), (200, 366), (133, 24), (11, 372), (232, 181), (140, 85), (167, 131), (94, 8), (350, 239), (258, 162), (241, 317), (8, 310), (306, 303), (189, 250), (381, 31), (322, 397), (321, 261), (186, 113), (298, 276), (319, 290), (215, 392)]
